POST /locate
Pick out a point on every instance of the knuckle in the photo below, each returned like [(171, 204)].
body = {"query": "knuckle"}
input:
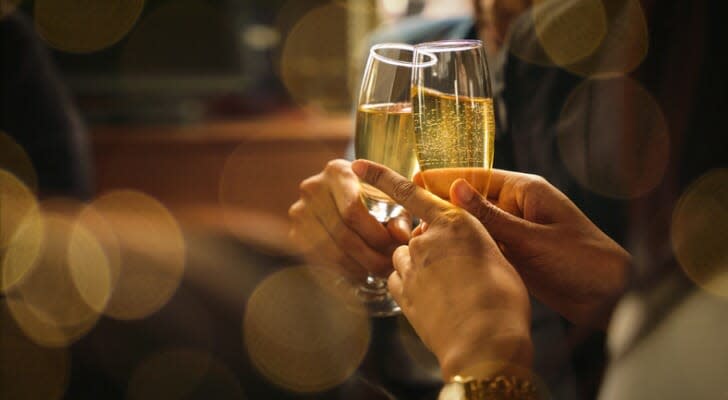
[(296, 210), (336, 165), (374, 174), (403, 190), (310, 185)]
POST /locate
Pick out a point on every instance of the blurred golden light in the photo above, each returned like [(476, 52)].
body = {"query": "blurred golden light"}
[(300, 336), (152, 253), (314, 60), (14, 159), (261, 37), (613, 137), (569, 31), (28, 371), (182, 38), (7, 7), (591, 38), (698, 232), (81, 26), (46, 303), (18, 209), (183, 374)]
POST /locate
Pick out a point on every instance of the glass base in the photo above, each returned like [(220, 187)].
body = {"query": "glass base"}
[(382, 210), (376, 298)]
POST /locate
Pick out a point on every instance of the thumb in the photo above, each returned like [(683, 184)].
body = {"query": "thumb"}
[(504, 227)]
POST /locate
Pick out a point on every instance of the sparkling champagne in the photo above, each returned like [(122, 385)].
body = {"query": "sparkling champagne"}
[(385, 134), (454, 137)]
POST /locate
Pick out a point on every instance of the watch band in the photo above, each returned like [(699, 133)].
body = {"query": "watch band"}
[(500, 387)]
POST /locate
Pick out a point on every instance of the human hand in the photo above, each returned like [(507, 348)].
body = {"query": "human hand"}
[(332, 227), (464, 300), (564, 259)]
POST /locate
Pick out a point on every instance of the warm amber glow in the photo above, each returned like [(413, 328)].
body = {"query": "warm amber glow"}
[(313, 60), (80, 26), (699, 229), (18, 211), (569, 31), (29, 371), (47, 304), (14, 159), (593, 38), (301, 336), (152, 253), (183, 374), (613, 137)]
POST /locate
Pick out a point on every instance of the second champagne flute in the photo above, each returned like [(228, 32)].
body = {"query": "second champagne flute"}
[(453, 113), (384, 134)]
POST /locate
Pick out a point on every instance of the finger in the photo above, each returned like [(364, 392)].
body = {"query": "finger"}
[(501, 225), (349, 242), (400, 228), (318, 247), (415, 199), (420, 229), (402, 261), (395, 287), (418, 180), (346, 192)]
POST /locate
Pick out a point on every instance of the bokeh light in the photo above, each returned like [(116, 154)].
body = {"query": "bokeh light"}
[(15, 160), (152, 253), (180, 39), (313, 60), (592, 38), (47, 304), (7, 7), (29, 371), (81, 26), (183, 374), (613, 137), (569, 31), (300, 336), (699, 229), (18, 209)]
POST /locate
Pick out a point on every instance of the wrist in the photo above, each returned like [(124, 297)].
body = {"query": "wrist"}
[(510, 355)]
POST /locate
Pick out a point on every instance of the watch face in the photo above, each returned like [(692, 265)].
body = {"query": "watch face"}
[(452, 391)]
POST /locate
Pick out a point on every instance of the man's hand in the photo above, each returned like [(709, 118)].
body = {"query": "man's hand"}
[(564, 259), (333, 228), (463, 298)]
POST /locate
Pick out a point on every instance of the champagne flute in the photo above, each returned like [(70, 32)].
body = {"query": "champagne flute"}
[(454, 121), (385, 134)]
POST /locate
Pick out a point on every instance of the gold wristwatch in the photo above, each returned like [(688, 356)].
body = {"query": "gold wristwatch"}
[(497, 388)]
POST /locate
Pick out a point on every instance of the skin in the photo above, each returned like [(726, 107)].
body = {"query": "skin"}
[(332, 227), (463, 298), (456, 282)]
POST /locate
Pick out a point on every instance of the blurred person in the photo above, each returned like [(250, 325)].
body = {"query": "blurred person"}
[(36, 111)]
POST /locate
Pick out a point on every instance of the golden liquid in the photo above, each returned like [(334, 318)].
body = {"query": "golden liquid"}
[(385, 134), (456, 133)]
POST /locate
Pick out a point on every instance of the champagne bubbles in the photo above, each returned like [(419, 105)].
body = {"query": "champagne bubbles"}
[(300, 335), (313, 60), (47, 304), (151, 253), (82, 26), (15, 160), (29, 371), (18, 212), (613, 138), (698, 232), (183, 373)]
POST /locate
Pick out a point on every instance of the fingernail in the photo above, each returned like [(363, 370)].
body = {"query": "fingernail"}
[(463, 191), (359, 168)]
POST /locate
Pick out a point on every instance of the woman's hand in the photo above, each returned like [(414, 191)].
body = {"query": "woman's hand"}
[(463, 298), (564, 259), (332, 227)]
